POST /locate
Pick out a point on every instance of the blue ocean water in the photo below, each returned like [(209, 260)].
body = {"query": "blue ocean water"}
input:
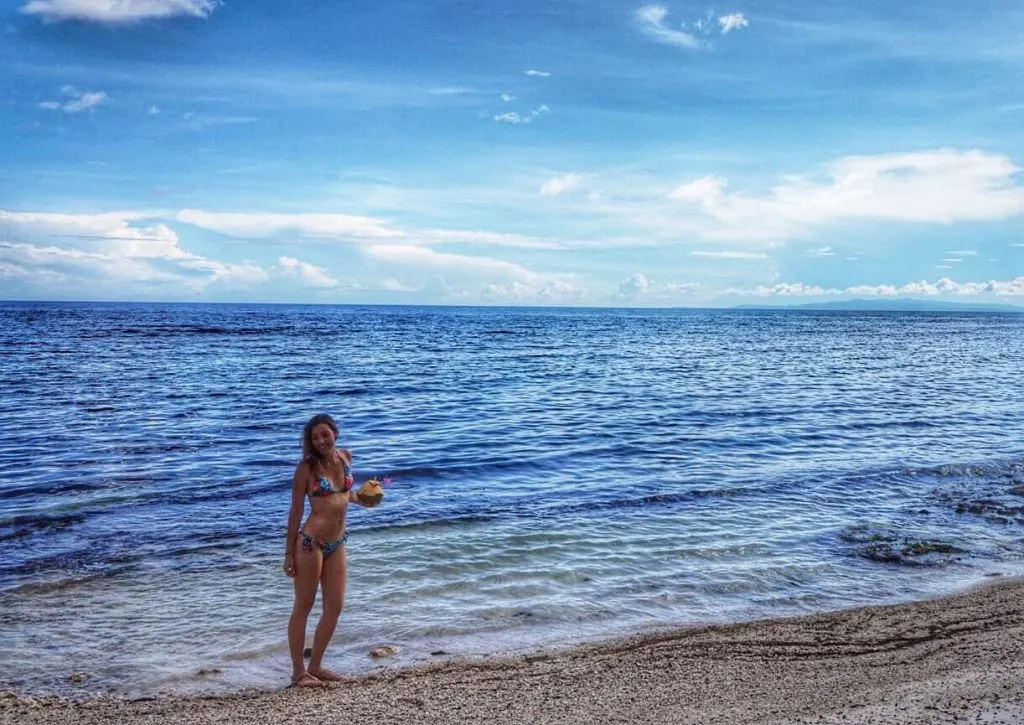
[(559, 475)]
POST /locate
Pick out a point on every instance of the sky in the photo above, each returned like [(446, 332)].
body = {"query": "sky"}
[(555, 152)]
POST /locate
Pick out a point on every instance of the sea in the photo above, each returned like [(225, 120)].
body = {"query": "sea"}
[(558, 476)]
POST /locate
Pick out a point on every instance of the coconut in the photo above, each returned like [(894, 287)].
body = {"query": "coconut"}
[(370, 493)]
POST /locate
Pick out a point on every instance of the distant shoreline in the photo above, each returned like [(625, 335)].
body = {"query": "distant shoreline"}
[(939, 660)]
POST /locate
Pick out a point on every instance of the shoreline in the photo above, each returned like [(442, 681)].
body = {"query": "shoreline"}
[(956, 658)]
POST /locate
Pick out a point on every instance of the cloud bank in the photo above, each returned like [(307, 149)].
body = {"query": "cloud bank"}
[(116, 12), (944, 286)]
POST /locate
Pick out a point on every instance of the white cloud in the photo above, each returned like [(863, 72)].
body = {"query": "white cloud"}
[(511, 117), (536, 73), (507, 97), (635, 285), (943, 266), (651, 19), (304, 273), (729, 254), (125, 248), (79, 101), (515, 118), (84, 102), (821, 252), (203, 121), (244, 274), (117, 12), (640, 289), (116, 231), (785, 289), (154, 110), (733, 21), (548, 292), (881, 290), (964, 253), (706, 191), (944, 286), (496, 239), (346, 228), (673, 288), (246, 224), (391, 284), (424, 258), (560, 184), (952, 259), (8, 270), (450, 90), (62, 265), (939, 187), (113, 248), (497, 279)]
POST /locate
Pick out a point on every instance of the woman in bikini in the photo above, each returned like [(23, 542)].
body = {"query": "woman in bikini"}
[(314, 554)]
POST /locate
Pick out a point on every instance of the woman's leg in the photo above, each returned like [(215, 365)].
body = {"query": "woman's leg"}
[(307, 576), (332, 588)]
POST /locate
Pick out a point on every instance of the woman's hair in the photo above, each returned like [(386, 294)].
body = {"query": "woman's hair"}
[(309, 452)]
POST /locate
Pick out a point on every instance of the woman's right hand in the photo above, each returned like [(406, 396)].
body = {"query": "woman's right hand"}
[(289, 564)]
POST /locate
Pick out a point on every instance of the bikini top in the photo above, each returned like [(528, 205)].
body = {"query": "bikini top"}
[(323, 487)]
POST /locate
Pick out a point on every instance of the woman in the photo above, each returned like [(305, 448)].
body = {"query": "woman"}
[(315, 553)]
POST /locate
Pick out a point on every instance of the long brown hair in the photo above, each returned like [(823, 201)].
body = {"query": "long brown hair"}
[(309, 452)]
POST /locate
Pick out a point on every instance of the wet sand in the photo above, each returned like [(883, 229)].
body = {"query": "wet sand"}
[(958, 659)]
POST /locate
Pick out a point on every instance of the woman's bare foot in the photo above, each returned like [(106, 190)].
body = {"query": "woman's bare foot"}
[(305, 680), (325, 675)]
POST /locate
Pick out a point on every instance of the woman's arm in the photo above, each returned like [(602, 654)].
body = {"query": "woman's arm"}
[(295, 513)]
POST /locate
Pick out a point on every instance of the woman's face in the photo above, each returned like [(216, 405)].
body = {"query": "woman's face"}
[(323, 438)]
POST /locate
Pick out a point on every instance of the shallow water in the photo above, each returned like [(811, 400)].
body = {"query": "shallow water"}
[(558, 475)]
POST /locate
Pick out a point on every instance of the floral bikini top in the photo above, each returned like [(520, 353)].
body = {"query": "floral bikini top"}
[(323, 487)]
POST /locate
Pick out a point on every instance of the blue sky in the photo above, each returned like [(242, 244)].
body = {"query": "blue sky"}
[(574, 152)]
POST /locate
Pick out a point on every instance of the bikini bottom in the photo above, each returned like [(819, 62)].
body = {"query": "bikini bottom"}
[(327, 547)]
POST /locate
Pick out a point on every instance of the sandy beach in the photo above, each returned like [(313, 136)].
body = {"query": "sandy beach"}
[(955, 659)]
